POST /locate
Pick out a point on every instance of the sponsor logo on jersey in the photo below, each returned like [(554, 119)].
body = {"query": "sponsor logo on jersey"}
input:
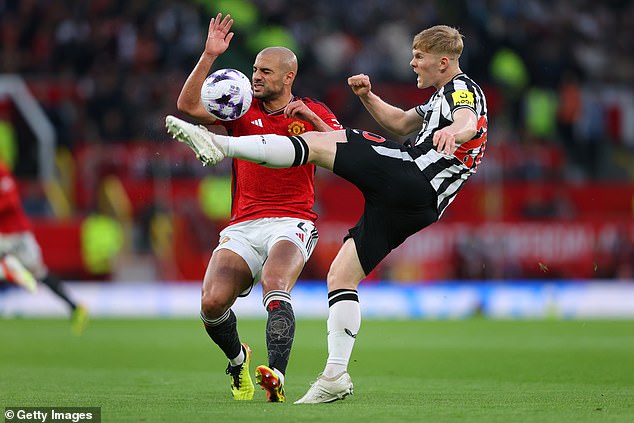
[(257, 122), (296, 128), (300, 236), (224, 239), (372, 137), (463, 98)]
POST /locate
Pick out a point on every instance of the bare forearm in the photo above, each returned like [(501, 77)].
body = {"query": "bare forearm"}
[(320, 125), (189, 97), (464, 128), (297, 109), (389, 117), (461, 130)]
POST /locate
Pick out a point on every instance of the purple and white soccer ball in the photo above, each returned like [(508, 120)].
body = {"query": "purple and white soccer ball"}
[(227, 94)]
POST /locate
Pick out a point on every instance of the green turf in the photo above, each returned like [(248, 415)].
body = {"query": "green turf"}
[(431, 371)]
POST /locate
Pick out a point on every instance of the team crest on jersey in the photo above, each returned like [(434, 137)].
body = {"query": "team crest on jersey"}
[(463, 98), (296, 128)]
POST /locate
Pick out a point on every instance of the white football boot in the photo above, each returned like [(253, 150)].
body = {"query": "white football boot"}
[(328, 389), (15, 272), (197, 137)]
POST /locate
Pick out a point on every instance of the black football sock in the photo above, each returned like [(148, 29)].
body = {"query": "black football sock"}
[(224, 332), (57, 287), (280, 328)]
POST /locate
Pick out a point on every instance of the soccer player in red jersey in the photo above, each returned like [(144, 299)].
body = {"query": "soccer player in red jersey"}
[(272, 233), (21, 261)]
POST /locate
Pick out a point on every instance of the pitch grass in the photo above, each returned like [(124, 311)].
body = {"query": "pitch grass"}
[(432, 371)]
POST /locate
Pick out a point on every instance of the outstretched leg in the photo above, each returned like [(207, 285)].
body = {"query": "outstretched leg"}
[(276, 151)]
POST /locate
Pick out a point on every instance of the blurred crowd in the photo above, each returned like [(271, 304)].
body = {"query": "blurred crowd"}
[(559, 74)]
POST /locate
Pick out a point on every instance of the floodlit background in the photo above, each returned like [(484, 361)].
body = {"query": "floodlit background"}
[(129, 217)]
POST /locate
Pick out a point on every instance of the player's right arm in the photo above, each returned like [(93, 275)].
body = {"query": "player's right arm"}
[(390, 117), (218, 39)]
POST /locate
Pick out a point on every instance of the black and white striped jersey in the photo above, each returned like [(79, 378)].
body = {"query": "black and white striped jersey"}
[(447, 173)]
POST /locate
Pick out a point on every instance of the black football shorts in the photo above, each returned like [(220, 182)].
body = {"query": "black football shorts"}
[(399, 200)]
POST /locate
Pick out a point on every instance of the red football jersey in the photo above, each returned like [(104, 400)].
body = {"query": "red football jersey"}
[(12, 217), (258, 191)]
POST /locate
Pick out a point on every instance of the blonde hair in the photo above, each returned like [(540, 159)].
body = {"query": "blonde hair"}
[(439, 39)]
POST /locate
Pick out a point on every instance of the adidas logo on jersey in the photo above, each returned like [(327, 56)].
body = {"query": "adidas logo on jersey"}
[(257, 122)]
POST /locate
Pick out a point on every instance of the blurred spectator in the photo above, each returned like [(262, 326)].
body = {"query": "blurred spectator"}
[(8, 147), (126, 58), (540, 111), (101, 240), (569, 109)]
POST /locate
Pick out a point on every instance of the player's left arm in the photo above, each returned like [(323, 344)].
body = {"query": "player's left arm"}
[(463, 128), (299, 110)]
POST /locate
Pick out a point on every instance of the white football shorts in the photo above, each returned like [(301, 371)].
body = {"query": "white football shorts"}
[(24, 246), (253, 239)]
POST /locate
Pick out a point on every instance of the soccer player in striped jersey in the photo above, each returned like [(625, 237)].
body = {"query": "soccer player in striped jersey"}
[(272, 231), (406, 187)]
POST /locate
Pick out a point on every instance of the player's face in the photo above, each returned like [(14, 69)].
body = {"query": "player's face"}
[(267, 78), (427, 68)]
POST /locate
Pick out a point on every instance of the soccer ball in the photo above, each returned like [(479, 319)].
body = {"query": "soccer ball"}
[(226, 94)]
